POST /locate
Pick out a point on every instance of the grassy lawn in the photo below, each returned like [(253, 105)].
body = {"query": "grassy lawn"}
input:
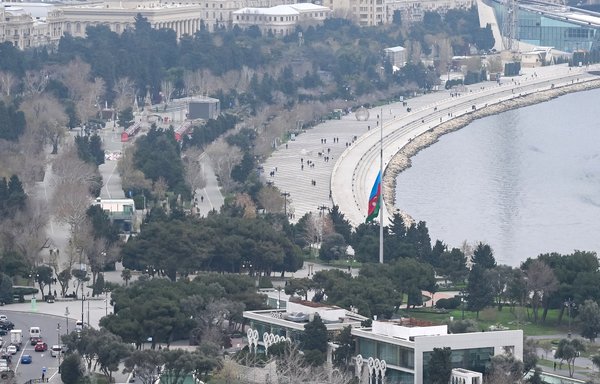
[(517, 319), (550, 364)]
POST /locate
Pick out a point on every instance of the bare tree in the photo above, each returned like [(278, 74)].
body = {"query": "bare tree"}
[(194, 169), (26, 232), (88, 104), (270, 199), (46, 118), (244, 201), (131, 177), (541, 282), (29, 231), (98, 252), (168, 88), (125, 92), (292, 369), (69, 169), (85, 94), (223, 158), (190, 83), (160, 188), (7, 82), (70, 203), (35, 82)]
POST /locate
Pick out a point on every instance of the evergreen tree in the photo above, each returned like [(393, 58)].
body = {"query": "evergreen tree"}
[(343, 354), (340, 224), (96, 150), (479, 291), (16, 194), (483, 256), (439, 367), (314, 340), (12, 122)]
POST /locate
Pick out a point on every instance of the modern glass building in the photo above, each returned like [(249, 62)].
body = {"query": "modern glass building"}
[(391, 351), (566, 29), (402, 350)]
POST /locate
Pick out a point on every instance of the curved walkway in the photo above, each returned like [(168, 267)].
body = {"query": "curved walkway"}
[(346, 177), (353, 174)]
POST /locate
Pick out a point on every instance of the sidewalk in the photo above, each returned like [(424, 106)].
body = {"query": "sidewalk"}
[(303, 167)]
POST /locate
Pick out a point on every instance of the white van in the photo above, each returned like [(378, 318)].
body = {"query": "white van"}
[(79, 325), (56, 350), (35, 332)]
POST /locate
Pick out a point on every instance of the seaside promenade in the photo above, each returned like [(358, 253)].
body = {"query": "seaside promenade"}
[(337, 161)]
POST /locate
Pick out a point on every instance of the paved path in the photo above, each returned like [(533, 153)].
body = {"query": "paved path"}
[(209, 197), (350, 172)]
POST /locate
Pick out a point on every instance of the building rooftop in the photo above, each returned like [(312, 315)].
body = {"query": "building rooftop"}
[(395, 49), (298, 313), (283, 10)]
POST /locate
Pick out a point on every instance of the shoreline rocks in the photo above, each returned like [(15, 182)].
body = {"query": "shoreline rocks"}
[(402, 159)]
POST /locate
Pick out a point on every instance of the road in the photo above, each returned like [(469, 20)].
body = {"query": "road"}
[(50, 333)]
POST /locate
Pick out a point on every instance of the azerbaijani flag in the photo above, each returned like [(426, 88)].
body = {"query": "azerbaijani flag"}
[(374, 199)]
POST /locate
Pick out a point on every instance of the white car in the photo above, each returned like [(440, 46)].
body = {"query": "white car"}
[(3, 318), (11, 349), (56, 350)]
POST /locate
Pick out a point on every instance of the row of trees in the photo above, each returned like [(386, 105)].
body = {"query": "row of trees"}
[(180, 245), (102, 350), (377, 290), (200, 310)]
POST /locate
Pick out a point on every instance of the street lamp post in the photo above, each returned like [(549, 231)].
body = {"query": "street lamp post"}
[(67, 318), (285, 197), (58, 343), (569, 304), (82, 300), (278, 297), (105, 302), (322, 208)]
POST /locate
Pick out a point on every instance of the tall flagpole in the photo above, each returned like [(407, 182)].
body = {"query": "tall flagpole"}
[(381, 190)]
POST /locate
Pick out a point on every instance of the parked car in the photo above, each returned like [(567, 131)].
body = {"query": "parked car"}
[(12, 349), (41, 347), (26, 359)]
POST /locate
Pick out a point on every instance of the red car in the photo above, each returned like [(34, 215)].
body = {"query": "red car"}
[(41, 347)]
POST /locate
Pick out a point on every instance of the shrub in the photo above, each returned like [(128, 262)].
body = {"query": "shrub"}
[(451, 303)]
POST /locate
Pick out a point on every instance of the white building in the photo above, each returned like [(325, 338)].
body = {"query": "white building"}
[(281, 20), (413, 10), (120, 211), (28, 25), (402, 349), (396, 56)]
